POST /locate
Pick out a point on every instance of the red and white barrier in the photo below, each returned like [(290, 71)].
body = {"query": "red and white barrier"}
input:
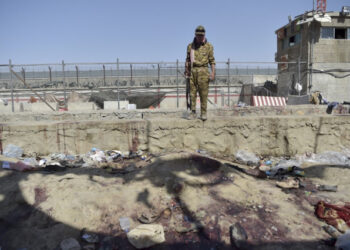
[(268, 101)]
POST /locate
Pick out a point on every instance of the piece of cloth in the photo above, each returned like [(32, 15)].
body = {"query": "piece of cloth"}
[(199, 56), (335, 215)]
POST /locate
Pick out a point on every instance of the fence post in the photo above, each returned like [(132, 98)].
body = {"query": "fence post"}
[(50, 75), (104, 75), (130, 74), (64, 85), (77, 74), (118, 83), (177, 83), (11, 83), (299, 70), (23, 74), (158, 74), (228, 81), (158, 85)]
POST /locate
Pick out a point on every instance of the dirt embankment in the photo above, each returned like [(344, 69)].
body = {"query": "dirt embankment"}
[(196, 199)]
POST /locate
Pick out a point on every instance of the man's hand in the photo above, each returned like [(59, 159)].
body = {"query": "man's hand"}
[(212, 76)]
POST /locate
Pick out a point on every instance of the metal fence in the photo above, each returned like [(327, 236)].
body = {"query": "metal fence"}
[(85, 75), (65, 77)]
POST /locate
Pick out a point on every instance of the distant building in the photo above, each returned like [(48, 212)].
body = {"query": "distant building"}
[(315, 47)]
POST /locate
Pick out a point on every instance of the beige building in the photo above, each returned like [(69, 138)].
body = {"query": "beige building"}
[(314, 50)]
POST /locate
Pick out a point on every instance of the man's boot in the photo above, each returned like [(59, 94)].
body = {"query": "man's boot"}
[(203, 117), (192, 115)]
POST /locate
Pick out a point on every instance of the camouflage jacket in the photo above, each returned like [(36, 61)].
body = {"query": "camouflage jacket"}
[(203, 55)]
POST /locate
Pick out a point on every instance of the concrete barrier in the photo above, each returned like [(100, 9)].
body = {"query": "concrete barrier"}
[(264, 135)]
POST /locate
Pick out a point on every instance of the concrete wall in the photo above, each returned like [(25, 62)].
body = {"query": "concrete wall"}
[(283, 135), (42, 107), (106, 115)]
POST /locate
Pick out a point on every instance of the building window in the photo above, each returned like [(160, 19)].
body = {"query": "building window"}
[(291, 41), (340, 33), (327, 32), (335, 33), (294, 40)]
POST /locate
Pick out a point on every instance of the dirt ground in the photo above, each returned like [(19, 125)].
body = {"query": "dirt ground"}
[(195, 198)]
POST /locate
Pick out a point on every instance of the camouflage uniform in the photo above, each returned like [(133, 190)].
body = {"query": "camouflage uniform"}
[(199, 72)]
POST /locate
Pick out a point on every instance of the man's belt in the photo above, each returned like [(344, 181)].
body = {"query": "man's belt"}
[(200, 66)]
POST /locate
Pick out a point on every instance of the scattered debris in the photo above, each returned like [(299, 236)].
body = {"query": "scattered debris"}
[(124, 224), (89, 237), (288, 183), (332, 231), (335, 215), (238, 235), (343, 241), (14, 164), (149, 217), (247, 158), (13, 151), (70, 244), (327, 188)]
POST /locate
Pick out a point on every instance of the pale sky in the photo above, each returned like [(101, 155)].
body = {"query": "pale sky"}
[(48, 31)]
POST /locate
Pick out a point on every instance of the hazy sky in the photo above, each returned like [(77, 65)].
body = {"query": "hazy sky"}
[(48, 31)]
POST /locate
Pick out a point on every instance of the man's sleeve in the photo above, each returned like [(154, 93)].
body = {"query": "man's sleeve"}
[(188, 60), (211, 55), (188, 54)]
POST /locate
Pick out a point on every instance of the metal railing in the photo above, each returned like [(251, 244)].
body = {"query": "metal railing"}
[(123, 73), (67, 77)]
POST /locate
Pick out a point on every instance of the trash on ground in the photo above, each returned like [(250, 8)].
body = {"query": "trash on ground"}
[(98, 155), (332, 231), (264, 168), (327, 188), (14, 164), (70, 244), (54, 167), (335, 215), (288, 183), (145, 236), (31, 161), (343, 241), (247, 158), (89, 237), (329, 157), (238, 235), (124, 224), (148, 217), (13, 151)]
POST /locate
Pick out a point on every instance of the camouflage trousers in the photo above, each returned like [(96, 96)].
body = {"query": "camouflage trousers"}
[(199, 82)]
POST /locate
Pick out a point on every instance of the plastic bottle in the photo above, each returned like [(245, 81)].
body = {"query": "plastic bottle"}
[(124, 224)]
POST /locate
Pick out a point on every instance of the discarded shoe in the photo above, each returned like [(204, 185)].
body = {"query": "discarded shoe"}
[(289, 183)]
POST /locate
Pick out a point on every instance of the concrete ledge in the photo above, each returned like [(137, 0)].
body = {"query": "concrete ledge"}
[(283, 135), (160, 113)]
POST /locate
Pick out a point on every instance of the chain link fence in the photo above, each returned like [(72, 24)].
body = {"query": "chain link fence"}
[(91, 75), (18, 82)]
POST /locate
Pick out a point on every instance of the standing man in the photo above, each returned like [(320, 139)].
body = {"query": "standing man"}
[(200, 53)]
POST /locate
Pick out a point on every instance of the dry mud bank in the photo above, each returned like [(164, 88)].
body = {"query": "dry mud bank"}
[(196, 199)]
